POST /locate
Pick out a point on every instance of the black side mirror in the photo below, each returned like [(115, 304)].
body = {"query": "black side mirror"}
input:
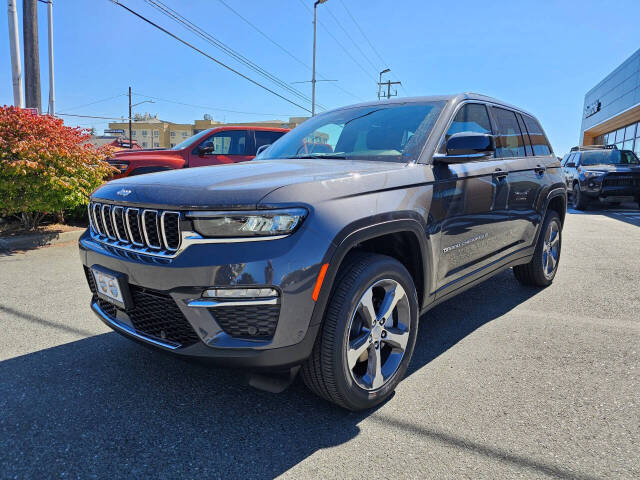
[(206, 149), (467, 146), (570, 165)]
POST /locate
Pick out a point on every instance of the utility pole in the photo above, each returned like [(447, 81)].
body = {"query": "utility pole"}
[(130, 128), (386, 70), (52, 93), (313, 71), (31, 54), (388, 83), (14, 46)]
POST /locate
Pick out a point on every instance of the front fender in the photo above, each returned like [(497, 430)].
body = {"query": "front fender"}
[(367, 229)]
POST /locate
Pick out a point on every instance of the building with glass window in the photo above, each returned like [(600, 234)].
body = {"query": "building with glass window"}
[(611, 113), (151, 132)]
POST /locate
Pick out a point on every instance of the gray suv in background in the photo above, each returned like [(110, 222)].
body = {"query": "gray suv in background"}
[(321, 260)]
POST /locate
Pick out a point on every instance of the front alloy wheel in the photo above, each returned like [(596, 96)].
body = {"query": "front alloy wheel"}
[(378, 334), (368, 333)]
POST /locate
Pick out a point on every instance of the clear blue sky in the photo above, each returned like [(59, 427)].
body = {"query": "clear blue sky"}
[(540, 55)]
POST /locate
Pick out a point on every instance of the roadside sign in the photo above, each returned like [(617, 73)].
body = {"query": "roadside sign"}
[(114, 130), (31, 110)]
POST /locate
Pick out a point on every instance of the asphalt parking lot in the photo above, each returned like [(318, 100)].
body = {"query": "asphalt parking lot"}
[(506, 382)]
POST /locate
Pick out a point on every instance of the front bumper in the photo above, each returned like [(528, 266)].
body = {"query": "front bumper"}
[(290, 265), (612, 187)]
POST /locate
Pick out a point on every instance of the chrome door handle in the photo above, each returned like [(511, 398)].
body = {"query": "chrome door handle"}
[(540, 169), (500, 174)]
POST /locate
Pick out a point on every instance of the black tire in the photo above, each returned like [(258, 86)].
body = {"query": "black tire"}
[(533, 273), (326, 371), (579, 202)]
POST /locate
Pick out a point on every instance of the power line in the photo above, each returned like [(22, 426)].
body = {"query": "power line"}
[(364, 35), (335, 19), (231, 69), (87, 116), (173, 14), (339, 43), (93, 103), (214, 108), (288, 52)]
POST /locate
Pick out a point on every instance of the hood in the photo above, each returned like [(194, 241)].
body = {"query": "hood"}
[(239, 185), (607, 167), (142, 154)]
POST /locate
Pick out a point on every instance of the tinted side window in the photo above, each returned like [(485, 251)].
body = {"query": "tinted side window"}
[(472, 117), (232, 142), (266, 138), (509, 141), (538, 139), (527, 141)]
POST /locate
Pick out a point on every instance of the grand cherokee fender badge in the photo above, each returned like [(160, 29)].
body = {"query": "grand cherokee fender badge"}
[(465, 242), (123, 192)]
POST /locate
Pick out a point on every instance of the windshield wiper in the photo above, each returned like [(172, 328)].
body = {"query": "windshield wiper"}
[(320, 155)]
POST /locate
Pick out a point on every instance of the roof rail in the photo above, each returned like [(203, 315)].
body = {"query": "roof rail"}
[(582, 148)]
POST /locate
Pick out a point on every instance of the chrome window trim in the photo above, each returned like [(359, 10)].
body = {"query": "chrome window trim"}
[(115, 224), (144, 229), (126, 216), (164, 235), (104, 221)]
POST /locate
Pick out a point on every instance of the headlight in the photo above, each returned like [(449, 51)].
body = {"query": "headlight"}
[(247, 224), (593, 173)]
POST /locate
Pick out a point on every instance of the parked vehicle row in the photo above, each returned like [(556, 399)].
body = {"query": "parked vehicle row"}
[(601, 174), (322, 260)]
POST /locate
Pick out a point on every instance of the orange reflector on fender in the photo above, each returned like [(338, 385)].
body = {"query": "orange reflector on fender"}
[(316, 289)]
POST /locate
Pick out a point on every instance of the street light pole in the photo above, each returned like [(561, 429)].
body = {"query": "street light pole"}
[(14, 46), (313, 72), (52, 94)]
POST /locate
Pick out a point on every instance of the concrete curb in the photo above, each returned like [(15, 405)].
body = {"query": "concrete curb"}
[(25, 242)]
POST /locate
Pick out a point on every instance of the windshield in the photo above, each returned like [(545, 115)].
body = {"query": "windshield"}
[(609, 157), (386, 132), (191, 140)]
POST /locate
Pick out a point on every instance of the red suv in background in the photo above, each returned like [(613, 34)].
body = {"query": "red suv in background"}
[(228, 144)]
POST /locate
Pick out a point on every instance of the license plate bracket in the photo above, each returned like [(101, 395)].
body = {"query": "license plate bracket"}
[(112, 287)]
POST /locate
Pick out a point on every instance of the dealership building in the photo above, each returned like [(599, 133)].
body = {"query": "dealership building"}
[(611, 114)]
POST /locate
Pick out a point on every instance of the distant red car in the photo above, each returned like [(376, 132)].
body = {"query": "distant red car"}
[(227, 144)]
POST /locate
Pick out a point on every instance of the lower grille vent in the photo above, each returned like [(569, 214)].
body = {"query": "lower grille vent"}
[(154, 314), (249, 321)]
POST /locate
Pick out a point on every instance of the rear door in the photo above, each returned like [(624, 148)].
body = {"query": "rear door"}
[(230, 146), (469, 207), (526, 176)]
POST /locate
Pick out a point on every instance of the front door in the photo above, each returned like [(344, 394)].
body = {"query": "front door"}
[(229, 146), (469, 208)]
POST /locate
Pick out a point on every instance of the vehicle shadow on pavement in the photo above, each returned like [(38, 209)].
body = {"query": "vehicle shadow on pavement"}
[(627, 213), (105, 407)]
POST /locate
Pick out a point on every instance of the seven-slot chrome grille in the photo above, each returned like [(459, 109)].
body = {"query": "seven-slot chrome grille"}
[(150, 231)]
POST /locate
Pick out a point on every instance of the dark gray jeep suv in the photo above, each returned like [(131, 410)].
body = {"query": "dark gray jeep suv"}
[(322, 259)]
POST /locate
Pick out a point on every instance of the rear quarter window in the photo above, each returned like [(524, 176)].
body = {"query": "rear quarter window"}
[(539, 141)]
